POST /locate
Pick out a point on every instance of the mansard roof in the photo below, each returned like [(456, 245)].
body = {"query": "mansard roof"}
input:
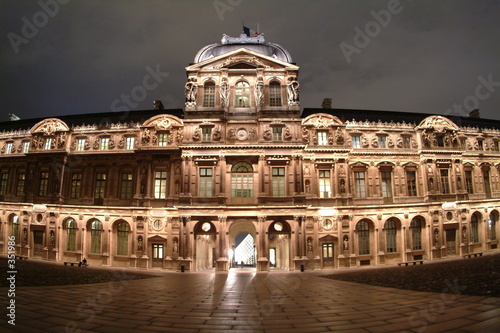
[(399, 116), (136, 116)]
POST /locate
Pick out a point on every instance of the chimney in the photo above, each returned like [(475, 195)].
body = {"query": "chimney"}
[(474, 114), (158, 105), (327, 103)]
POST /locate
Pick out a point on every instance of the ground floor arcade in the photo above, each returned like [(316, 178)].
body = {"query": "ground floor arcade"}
[(285, 238)]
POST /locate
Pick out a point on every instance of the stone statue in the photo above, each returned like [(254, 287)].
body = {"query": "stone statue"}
[(259, 93), (139, 244), (190, 91), (176, 246), (293, 89), (309, 246), (346, 243), (224, 93)]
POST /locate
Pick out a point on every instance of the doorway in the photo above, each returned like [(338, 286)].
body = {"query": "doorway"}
[(158, 255), (244, 251), (450, 242), (327, 250), (38, 243)]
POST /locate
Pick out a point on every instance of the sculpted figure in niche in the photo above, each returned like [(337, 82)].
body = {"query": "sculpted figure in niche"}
[(342, 186), (308, 187), (52, 238), (339, 136), (309, 246), (436, 237), (346, 243), (139, 244), (176, 246)]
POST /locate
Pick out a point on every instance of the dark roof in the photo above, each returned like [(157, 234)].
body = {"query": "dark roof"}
[(137, 116), (397, 116)]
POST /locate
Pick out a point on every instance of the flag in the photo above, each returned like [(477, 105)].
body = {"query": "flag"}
[(249, 32)]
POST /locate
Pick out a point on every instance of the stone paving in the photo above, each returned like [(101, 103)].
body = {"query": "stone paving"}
[(245, 301)]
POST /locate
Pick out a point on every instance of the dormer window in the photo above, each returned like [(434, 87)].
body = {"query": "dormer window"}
[(322, 138), (277, 133), (104, 144), (48, 143), (80, 146), (206, 134), (382, 141), (242, 95), (26, 147), (8, 148), (162, 139), (209, 94)]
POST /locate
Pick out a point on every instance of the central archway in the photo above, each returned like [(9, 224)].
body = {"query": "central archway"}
[(242, 249)]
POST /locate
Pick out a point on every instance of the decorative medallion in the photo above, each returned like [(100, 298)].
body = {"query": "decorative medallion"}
[(241, 134)]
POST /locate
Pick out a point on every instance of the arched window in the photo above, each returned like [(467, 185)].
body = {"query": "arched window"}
[(71, 234), (242, 95), (122, 238), (416, 233), (474, 227), (390, 235), (274, 94), (242, 180), (493, 226), (15, 228), (95, 236), (209, 94), (363, 237)]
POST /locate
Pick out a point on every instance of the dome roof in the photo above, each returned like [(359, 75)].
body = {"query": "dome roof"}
[(256, 44)]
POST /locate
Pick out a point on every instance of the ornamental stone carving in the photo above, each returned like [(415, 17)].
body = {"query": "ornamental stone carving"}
[(190, 92), (293, 90), (224, 93)]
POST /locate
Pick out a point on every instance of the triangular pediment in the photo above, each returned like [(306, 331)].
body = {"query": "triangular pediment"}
[(242, 57)]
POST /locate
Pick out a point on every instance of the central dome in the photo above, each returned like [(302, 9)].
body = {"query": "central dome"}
[(256, 44)]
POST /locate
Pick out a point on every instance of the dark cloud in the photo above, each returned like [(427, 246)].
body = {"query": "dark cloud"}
[(430, 56)]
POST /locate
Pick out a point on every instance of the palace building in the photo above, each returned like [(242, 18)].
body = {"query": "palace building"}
[(243, 175)]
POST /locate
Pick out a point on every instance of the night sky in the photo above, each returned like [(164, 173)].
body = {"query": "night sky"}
[(412, 56)]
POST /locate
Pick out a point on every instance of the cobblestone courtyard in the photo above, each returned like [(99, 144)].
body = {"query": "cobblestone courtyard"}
[(243, 301)]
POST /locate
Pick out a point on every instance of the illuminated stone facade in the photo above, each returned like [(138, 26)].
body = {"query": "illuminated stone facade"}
[(174, 189)]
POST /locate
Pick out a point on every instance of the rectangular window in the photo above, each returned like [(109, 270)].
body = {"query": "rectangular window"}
[(411, 183), (274, 94), (480, 144), (209, 95), (100, 185), (356, 141), (486, 182), (440, 140), (21, 180), (206, 182), (325, 190), (160, 187), (26, 147), (80, 146), (104, 144), (162, 139), (322, 138), (44, 184), (4, 177), (130, 143), (76, 186), (386, 179), (468, 182), (48, 143), (241, 185), (359, 184), (278, 182), (445, 181), (8, 148), (382, 141), (277, 133), (327, 251), (206, 134), (126, 186), (406, 142)]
